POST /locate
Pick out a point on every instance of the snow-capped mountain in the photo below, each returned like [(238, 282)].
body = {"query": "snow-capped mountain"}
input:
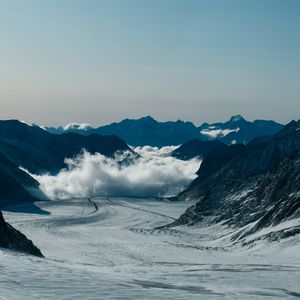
[(251, 188), (239, 130)]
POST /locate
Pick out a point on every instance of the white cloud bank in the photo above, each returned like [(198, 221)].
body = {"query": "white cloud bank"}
[(154, 174), (214, 133), (78, 126)]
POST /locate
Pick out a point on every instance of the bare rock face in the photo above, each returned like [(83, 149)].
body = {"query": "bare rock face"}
[(257, 184), (12, 239)]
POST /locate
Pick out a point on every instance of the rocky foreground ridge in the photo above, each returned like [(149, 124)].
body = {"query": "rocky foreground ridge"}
[(12, 239)]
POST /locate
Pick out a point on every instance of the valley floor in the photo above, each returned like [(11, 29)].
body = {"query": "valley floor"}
[(107, 248)]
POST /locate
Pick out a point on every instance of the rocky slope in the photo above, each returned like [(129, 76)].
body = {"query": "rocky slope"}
[(251, 187), (12, 239), (196, 148), (257, 157)]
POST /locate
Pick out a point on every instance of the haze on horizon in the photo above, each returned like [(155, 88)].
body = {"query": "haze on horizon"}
[(102, 61)]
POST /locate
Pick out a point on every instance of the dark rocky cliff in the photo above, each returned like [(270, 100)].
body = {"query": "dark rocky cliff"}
[(12, 239)]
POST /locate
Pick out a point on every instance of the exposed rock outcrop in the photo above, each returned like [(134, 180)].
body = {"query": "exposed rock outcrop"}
[(12, 239)]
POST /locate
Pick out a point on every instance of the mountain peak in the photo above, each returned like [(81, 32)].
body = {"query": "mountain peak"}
[(292, 126), (148, 118), (236, 118)]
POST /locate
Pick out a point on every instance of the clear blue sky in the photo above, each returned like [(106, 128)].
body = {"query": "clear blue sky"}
[(100, 61)]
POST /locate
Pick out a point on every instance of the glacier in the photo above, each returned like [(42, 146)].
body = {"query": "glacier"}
[(108, 248)]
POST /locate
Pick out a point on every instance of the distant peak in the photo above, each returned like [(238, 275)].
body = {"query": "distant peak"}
[(147, 119), (22, 121), (292, 126), (236, 118)]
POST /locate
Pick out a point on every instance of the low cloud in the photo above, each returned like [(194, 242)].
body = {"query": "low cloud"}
[(153, 174)]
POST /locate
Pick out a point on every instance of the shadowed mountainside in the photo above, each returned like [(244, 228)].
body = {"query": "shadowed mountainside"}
[(257, 185), (147, 131), (39, 151), (16, 186), (196, 148), (239, 130)]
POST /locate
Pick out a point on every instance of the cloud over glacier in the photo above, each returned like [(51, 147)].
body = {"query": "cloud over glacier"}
[(153, 174)]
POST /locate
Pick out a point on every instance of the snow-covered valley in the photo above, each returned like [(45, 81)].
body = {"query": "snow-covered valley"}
[(108, 248)]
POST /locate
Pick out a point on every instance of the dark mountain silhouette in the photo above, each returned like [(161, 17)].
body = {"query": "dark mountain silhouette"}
[(244, 185), (39, 151), (148, 131), (12, 239), (16, 186), (239, 130), (196, 148), (142, 132)]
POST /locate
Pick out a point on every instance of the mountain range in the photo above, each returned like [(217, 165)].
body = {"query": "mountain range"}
[(247, 186), (239, 130), (39, 151), (250, 188), (148, 131), (141, 132)]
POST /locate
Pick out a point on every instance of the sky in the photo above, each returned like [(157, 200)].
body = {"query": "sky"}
[(99, 61)]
